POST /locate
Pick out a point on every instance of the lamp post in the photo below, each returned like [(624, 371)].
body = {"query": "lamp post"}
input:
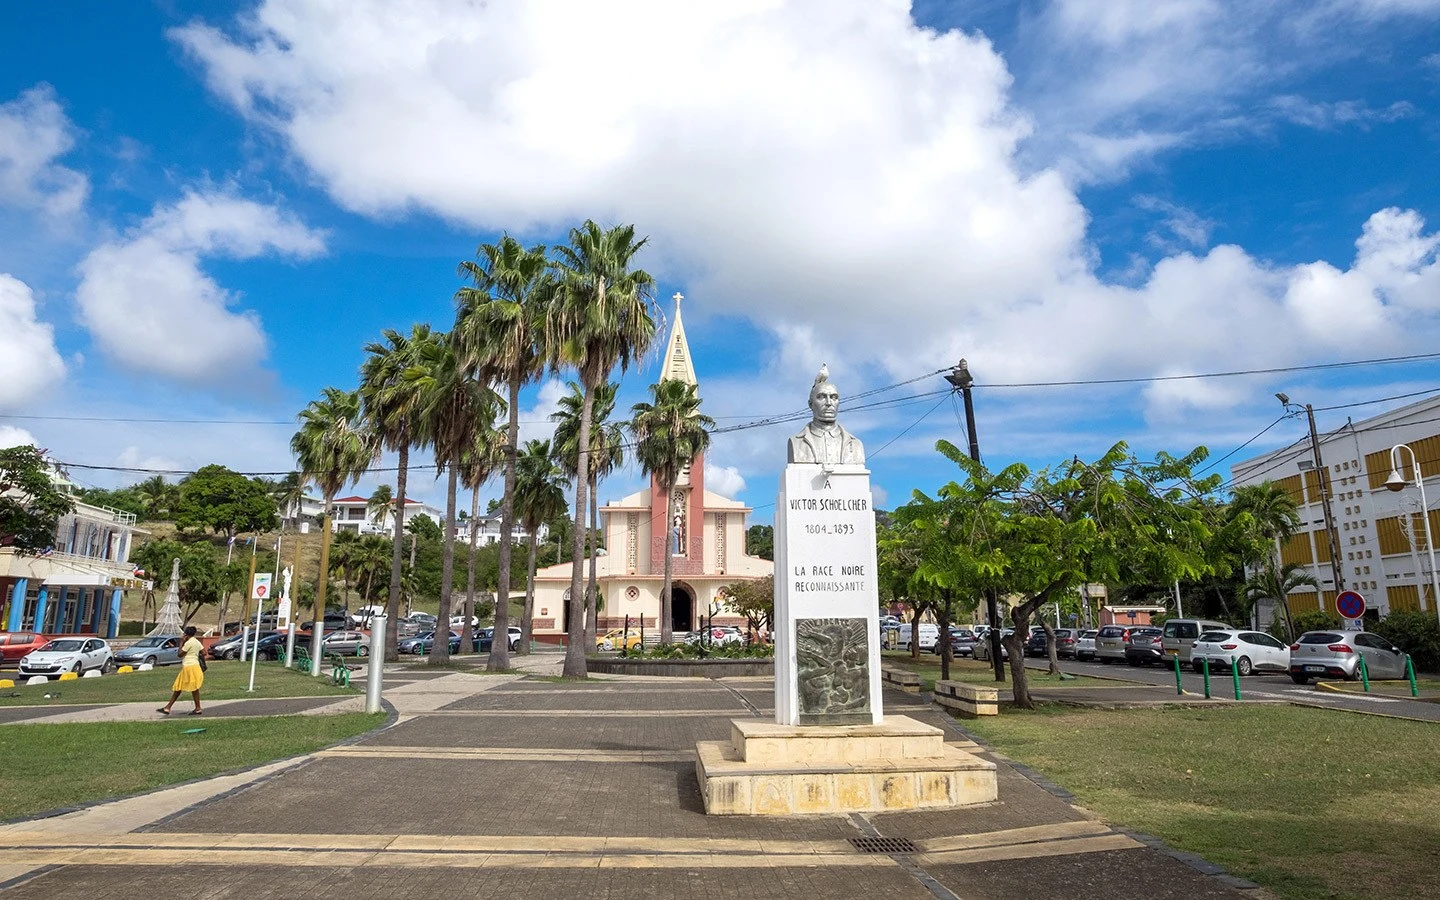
[(1397, 482), (961, 380), (1322, 480)]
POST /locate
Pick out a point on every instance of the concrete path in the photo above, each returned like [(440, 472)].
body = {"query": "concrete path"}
[(501, 786)]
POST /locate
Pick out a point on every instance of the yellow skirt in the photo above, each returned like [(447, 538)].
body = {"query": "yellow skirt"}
[(189, 679)]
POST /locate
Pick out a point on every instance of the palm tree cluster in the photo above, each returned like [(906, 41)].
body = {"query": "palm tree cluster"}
[(524, 312)]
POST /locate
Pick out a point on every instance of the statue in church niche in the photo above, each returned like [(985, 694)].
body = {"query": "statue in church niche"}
[(677, 536), (825, 440)]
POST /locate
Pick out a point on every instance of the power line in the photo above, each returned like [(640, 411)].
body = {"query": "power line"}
[(1253, 439), (1386, 360)]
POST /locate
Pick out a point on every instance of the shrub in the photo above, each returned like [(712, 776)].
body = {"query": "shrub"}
[(1314, 620), (1417, 633)]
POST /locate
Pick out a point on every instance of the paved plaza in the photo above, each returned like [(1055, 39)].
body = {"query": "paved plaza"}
[(506, 786)]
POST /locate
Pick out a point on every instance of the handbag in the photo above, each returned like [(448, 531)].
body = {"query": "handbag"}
[(203, 667)]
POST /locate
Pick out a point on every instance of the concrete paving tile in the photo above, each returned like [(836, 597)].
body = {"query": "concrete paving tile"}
[(1115, 875)]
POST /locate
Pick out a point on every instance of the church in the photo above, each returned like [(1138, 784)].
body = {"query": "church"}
[(703, 532)]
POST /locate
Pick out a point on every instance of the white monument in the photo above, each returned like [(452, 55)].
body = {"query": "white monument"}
[(831, 749)]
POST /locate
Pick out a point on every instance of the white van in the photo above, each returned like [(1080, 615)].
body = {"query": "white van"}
[(1181, 633), (929, 635)]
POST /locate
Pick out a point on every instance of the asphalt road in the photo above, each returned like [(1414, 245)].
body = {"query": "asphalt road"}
[(1254, 687)]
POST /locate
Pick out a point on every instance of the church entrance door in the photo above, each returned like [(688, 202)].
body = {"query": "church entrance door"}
[(682, 606)]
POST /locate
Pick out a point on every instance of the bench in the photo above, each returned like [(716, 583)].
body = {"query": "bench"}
[(969, 700), (905, 679), (339, 671), (302, 657)]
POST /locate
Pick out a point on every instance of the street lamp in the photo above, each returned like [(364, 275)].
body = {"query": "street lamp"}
[(1397, 482)]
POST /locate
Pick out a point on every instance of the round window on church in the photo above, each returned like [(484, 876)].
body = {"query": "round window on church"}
[(632, 592)]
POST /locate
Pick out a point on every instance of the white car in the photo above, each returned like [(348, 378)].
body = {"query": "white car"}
[(78, 655), (1247, 651), (1085, 645)]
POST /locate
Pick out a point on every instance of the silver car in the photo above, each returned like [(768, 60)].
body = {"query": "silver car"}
[(346, 643), (1110, 643), (157, 650), (1337, 654), (1247, 651), (1085, 645)]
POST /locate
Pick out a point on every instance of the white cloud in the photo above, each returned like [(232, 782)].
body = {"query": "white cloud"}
[(150, 306), (29, 362), (10, 436), (535, 424), (34, 132), (723, 480), (1329, 116)]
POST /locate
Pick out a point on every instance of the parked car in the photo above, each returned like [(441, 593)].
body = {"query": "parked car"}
[(1110, 643), (78, 655), (272, 647), (888, 622), (421, 644), (361, 617), (1337, 654), (422, 618), (157, 650), (1036, 644), (1247, 651), (484, 638), (929, 634), (982, 648), (614, 639), (1145, 646), (962, 643), (346, 643), (229, 648), (18, 644), (1085, 645), (332, 622), (1065, 641), (1180, 634)]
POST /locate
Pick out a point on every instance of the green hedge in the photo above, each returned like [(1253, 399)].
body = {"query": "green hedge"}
[(1417, 633)]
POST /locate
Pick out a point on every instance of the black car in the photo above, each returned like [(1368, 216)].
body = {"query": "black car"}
[(229, 648), (1036, 644), (483, 638)]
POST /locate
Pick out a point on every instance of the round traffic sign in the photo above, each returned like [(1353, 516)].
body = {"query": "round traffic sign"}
[(1350, 605), (260, 591)]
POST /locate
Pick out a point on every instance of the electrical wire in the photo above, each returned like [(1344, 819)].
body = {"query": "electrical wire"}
[(1148, 379)]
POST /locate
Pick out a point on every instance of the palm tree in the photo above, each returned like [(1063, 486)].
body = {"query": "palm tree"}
[(669, 433), (482, 457), (601, 319), (333, 448), (501, 324), (392, 407), (539, 497), (1277, 585), (342, 560), (369, 558), (607, 453), (454, 404), (1273, 520), (378, 506), (159, 496)]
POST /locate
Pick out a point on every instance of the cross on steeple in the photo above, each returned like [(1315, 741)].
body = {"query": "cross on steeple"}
[(678, 366)]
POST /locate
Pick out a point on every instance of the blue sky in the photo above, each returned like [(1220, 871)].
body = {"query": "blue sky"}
[(207, 210)]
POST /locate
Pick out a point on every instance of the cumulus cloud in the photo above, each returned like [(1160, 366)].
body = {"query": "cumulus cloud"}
[(29, 362), (34, 132), (10, 436), (723, 480), (150, 306)]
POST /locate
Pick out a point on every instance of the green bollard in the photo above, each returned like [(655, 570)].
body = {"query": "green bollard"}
[(1205, 664), (1235, 677), (1179, 689), (1410, 673), (1364, 673)]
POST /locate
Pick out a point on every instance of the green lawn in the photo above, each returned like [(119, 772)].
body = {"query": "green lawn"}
[(1309, 803), (968, 670), (226, 680), (50, 766)]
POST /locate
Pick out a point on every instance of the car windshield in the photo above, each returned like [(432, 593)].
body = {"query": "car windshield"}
[(1144, 632), (61, 647), (150, 642), (1321, 637), (1088, 634), (1214, 636)]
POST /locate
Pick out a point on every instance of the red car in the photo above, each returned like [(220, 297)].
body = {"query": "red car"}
[(14, 646)]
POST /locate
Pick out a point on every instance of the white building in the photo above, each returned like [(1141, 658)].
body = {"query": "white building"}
[(1381, 535), (353, 514), (487, 531)]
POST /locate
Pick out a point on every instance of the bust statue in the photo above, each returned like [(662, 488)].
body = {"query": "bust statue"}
[(824, 440)]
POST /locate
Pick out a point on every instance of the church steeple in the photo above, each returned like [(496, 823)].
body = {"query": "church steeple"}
[(677, 365)]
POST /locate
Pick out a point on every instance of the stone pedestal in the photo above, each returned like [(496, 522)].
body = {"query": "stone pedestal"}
[(768, 769)]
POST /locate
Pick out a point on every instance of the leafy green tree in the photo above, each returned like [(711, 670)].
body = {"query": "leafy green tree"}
[(1276, 585), (224, 501), (760, 541), (31, 503), (425, 527), (601, 319), (160, 498), (1417, 633), (1267, 517), (539, 497), (124, 499), (755, 600), (392, 408), (669, 431), (204, 576), (377, 506)]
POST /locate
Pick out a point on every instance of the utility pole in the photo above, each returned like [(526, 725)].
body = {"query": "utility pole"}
[(1322, 479), (961, 381)]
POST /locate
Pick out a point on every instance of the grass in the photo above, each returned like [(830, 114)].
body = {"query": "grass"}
[(1309, 803), (51, 766), (224, 681), (970, 671)]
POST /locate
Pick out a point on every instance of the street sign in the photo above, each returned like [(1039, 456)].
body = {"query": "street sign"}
[(282, 613), (1131, 614), (1350, 605), (260, 589)]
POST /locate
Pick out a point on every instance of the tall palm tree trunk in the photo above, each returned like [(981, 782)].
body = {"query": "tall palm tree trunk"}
[(500, 637), (575, 627), (392, 635), (317, 624), (592, 590), (440, 649), (527, 627), (667, 604), (467, 631)]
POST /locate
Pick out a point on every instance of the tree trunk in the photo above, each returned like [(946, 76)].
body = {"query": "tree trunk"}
[(392, 633), (527, 614), (945, 648), (500, 644), (1020, 616), (318, 621), (440, 649), (667, 604), (1050, 646), (467, 631), (592, 590), (575, 604), (915, 635)]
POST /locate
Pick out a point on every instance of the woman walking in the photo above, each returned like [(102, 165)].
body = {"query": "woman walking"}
[(192, 673)]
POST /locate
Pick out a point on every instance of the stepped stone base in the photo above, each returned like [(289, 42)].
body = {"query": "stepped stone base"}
[(780, 770)]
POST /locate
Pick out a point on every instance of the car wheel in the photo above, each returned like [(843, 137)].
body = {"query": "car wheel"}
[(108, 667), (232, 654), (419, 650), (1134, 663), (1243, 666), (1299, 679), (1197, 665), (362, 650), (150, 660), (77, 668)]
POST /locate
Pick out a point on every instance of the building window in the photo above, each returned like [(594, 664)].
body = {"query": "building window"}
[(1367, 570), (1368, 554)]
